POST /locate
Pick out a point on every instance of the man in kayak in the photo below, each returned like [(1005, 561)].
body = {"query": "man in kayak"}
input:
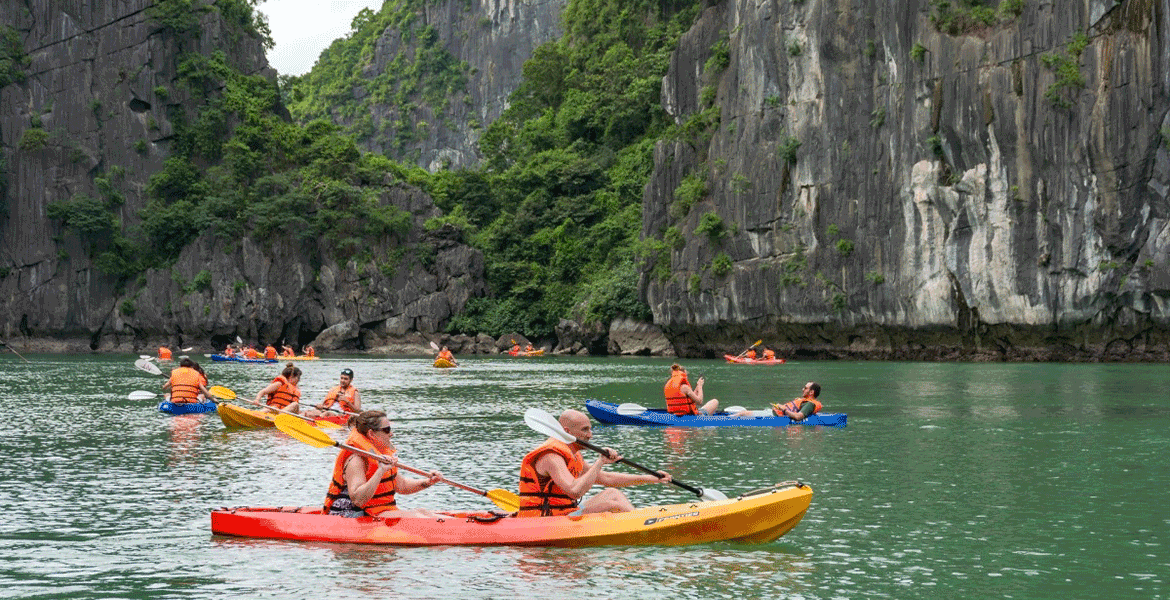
[(362, 486), (769, 354), (554, 476), (681, 399), (344, 395), (801, 407)]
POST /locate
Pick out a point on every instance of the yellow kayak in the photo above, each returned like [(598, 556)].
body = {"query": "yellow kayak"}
[(301, 357), (442, 363)]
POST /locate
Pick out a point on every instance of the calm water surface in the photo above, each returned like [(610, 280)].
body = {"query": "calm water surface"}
[(952, 480)]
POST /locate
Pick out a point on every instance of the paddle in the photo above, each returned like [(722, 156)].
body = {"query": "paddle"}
[(226, 394), (542, 422), (145, 357), (630, 409), (5, 344), (758, 342), (142, 395), (188, 349), (313, 437), (145, 365)]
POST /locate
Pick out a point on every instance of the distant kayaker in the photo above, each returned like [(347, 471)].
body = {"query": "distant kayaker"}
[(229, 351), (769, 354), (515, 349), (750, 354), (363, 486), (797, 410), (269, 352), (554, 476), (287, 351), (310, 351), (681, 399), (164, 353), (186, 383), (344, 395), (283, 392), (529, 349), (446, 355)]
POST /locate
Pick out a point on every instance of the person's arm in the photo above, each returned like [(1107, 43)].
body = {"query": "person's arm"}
[(553, 465), (166, 386), (695, 394), (357, 401), (410, 485), (612, 479), (361, 490), (272, 387)]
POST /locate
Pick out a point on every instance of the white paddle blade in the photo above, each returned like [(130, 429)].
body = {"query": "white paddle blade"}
[(188, 349), (734, 409), (713, 495), (145, 357), (542, 422), (141, 395), (146, 365), (630, 409)]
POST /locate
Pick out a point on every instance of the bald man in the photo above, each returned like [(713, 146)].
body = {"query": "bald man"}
[(554, 476)]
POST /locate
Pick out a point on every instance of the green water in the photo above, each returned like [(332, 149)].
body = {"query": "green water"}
[(951, 481)]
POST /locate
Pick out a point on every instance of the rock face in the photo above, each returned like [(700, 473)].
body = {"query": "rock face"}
[(877, 187), (96, 98)]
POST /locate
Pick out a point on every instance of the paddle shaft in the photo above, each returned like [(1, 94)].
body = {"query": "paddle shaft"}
[(696, 491), (7, 345), (377, 456), (287, 412), (758, 342)]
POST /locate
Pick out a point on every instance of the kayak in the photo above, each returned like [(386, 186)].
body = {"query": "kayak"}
[(738, 360), (226, 358), (184, 408), (756, 517), (302, 358), (532, 353), (607, 412), (442, 363), (237, 416)]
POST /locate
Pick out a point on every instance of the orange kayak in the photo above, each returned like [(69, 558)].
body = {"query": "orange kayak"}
[(238, 416), (756, 517), (442, 363)]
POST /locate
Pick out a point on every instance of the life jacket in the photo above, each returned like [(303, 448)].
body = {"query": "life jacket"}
[(185, 385), (345, 401), (769, 355), (311, 351), (164, 353), (269, 352), (383, 498), (751, 354), (540, 496), (284, 395), (678, 403), (251, 353), (446, 355), (288, 352), (515, 350), (795, 405), (229, 352)]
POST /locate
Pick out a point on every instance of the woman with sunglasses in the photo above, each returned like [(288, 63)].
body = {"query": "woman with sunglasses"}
[(363, 486)]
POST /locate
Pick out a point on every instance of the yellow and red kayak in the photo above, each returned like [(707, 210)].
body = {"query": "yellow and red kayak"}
[(756, 517), (442, 363), (238, 416), (529, 353)]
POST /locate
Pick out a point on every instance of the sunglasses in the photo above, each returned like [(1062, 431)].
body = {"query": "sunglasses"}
[(385, 429)]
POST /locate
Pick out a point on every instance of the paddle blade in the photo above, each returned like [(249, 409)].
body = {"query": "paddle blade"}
[(239, 340), (188, 349), (504, 499), (758, 342), (145, 365), (145, 357), (141, 395), (734, 409), (221, 392), (434, 346), (303, 431), (327, 425), (630, 409), (713, 495), (542, 422)]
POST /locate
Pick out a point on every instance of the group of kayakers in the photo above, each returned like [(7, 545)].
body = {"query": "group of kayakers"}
[(765, 354), (284, 394), (683, 400), (269, 352)]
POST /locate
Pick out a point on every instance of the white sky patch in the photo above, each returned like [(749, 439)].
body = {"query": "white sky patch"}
[(303, 28)]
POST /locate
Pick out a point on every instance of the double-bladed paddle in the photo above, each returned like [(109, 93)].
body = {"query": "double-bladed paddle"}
[(542, 422), (504, 499), (758, 342), (143, 364), (630, 409), (142, 395), (226, 394)]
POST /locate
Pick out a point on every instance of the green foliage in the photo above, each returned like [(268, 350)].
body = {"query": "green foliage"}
[(178, 16), (1068, 77), (202, 281), (83, 214), (161, 92), (721, 265), (918, 51), (695, 283), (33, 139), (13, 60), (711, 225), (878, 117), (127, 308), (936, 145), (788, 149), (740, 183), (838, 302), (794, 49), (242, 14), (832, 230), (844, 247), (673, 238), (958, 17), (875, 277), (1166, 137), (140, 146), (719, 59), (792, 267), (690, 190), (4, 271)]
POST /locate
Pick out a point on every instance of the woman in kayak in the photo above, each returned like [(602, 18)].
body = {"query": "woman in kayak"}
[(554, 476), (363, 486), (681, 399), (283, 392), (186, 383)]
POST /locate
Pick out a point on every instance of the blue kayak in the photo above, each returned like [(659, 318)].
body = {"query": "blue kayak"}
[(184, 408), (226, 358), (607, 412)]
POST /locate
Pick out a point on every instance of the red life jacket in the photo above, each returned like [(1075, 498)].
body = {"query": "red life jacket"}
[(678, 403), (284, 395), (383, 498), (540, 496)]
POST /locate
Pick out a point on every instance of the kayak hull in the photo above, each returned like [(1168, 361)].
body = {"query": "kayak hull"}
[(226, 358), (245, 418), (607, 412), (185, 408), (758, 517), (442, 363), (527, 354), (738, 360)]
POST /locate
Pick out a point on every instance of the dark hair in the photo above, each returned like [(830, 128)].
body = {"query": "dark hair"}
[(291, 370), (367, 420), (186, 362), (348, 372), (815, 387)]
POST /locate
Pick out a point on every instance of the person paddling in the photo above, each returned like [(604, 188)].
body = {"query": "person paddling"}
[(345, 395), (554, 476), (446, 355), (681, 399), (269, 352), (283, 392), (366, 487), (164, 353), (186, 383)]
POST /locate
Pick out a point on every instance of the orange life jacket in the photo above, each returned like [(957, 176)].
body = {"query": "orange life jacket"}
[(269, 352), (768, 355), (678, 403), (383, 498), (229, 352), (185, 385), (311, 351), (346, 401), (284, 395), (164, 353), (795, 405), (446, 355), (751, 354), (540, 496), (515, 350), (288, 352)]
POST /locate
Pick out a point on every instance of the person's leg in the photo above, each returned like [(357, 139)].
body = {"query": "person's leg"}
[(710, 407), (607, 500)]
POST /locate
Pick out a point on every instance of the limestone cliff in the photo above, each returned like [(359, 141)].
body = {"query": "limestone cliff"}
[(892, 178)]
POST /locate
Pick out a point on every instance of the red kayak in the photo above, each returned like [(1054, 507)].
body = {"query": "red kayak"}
[(737, 360)]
